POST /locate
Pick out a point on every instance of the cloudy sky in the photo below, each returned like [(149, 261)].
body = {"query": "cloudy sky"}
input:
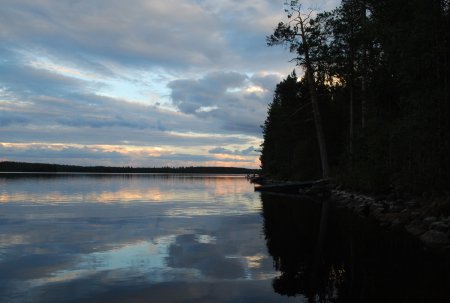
[(138, 82)]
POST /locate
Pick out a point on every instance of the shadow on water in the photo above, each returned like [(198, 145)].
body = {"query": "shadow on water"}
[(330, 255)]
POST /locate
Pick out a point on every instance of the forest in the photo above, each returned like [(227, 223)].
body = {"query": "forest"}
[(7, 166), (372, 108)]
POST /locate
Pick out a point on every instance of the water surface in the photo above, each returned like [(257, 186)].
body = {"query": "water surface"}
[(133, 238), (198, 238)]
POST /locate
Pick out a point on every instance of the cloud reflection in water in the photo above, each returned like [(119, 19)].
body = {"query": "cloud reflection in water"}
[(105, 238)]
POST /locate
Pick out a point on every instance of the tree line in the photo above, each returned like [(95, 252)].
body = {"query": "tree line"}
[(8, 166), (372, 109)]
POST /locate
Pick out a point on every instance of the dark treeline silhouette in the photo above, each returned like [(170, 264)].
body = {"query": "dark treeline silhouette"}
[(56, 168), (381, 72), (344, 258)]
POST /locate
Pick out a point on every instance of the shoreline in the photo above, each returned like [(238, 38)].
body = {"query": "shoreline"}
[(423, 221), (427, 221)]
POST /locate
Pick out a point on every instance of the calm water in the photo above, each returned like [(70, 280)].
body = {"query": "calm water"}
[(173, 238)]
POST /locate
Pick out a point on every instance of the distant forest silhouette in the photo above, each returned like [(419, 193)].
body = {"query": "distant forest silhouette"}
[(7, 166)]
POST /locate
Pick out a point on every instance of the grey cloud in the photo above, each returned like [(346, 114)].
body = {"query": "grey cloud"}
[(136, 33), (28, 81), (52, 99), (268, 81), (186, 252), (192, 95), (7, 119), (81, 110), (39, 152), (70, 29), (195, 158), (114, 135), (86, 155), (40, 97), (116, 40), (235, 110), (174, 34), (221, 150), (241, 113)]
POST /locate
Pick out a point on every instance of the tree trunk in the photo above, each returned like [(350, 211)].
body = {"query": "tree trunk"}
[(351, 127), (315, 105), (351, 85), (365, 68)]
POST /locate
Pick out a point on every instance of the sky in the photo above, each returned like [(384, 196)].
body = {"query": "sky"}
[(138, 82)]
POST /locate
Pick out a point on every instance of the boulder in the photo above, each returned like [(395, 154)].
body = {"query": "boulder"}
[(430, 220), (415, 228), (434, 238), (440, 226)]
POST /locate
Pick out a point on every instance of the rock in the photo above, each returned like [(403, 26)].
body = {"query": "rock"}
[(377, 212), (396, 209), (415, 228), (412, 204), (429, 220), (385, 224), (396, 222), (434, 238), (415, 213), (399, 202), (439, 226)]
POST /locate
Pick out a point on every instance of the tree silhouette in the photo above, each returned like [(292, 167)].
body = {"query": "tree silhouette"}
[(377, 79), (299, 34)]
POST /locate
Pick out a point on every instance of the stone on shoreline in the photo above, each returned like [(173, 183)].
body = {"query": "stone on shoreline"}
[(434, 238), (432, 230)]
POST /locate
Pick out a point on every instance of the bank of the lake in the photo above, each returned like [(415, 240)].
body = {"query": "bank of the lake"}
[(427, 220), (337, 256)]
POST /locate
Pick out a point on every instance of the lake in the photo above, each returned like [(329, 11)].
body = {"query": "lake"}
[(197, 238)]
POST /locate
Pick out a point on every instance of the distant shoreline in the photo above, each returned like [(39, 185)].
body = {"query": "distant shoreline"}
[(43, 168)]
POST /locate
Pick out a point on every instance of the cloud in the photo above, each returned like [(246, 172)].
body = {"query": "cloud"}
[(220, 150), (112, 155), (267, 81), (179, 35), (169, 33), (38, 151), (138, 73), (238, 103), (192, 95), (27, 80), (187, 252), (42, 97)]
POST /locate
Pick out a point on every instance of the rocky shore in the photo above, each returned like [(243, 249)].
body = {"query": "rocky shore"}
[(426, 218), (430, 221)]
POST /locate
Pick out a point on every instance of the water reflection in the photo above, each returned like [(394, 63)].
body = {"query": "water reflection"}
[(118, 188), (331, 256), (83, 238)]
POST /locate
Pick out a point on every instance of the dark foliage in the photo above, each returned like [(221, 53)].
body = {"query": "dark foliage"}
[(382, 69), (290, 148)]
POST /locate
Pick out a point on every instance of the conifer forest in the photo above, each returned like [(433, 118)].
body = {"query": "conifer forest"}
[(368, 104)]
